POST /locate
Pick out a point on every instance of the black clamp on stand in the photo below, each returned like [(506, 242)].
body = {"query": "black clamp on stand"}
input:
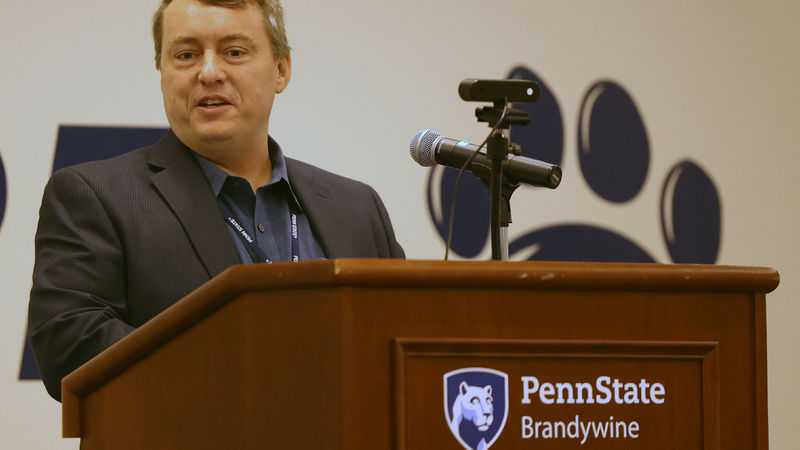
[(500, 117)]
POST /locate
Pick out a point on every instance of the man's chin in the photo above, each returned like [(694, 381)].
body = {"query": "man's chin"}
[(215, 136), (220, 135), (205, 135)]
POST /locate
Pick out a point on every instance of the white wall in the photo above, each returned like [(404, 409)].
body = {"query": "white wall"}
[(714, 81)]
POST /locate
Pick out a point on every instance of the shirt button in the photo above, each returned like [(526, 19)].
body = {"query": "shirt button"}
[(261, 227)]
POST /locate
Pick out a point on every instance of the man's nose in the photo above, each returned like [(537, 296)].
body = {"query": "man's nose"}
[(212, 71)]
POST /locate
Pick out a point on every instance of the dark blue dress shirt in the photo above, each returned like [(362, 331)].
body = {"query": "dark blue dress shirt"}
[(266, 214)]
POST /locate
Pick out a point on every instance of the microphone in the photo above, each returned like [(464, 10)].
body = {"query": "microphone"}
[(429, 147)]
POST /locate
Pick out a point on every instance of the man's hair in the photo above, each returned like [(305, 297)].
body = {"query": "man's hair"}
[(271, 16)]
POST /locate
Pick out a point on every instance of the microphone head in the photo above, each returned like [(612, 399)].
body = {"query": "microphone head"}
[(421, 147)]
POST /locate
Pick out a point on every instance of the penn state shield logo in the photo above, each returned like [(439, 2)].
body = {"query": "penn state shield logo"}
[(476, 405)]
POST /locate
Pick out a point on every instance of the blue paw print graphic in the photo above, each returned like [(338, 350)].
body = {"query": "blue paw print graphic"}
[(614, 155)]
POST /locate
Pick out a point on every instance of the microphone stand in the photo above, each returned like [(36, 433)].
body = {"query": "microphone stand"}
[(497, 151), (500, 189)]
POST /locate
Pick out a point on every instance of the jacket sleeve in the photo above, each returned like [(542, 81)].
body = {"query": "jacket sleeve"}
[(388, 240), (78, 302)]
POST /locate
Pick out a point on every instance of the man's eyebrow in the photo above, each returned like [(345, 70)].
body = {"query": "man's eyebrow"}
[(181, 40), (239, 37)]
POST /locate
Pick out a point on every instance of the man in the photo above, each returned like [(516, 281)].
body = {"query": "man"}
[(121, 240)]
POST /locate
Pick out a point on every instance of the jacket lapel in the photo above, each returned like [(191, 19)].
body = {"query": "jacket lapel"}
[(183, 186), (321, 208)]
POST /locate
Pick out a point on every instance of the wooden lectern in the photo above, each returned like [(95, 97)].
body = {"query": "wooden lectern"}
[(353, 354)]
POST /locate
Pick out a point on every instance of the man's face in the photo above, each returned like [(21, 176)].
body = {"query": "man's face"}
[(218, 75)]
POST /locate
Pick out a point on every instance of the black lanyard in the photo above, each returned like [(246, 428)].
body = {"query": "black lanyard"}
[(255, 252)]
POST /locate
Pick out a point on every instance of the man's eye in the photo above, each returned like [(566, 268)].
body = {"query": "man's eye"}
[(185, 56), (236, 53)]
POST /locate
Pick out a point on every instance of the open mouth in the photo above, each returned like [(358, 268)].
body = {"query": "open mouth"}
[(212, 103)]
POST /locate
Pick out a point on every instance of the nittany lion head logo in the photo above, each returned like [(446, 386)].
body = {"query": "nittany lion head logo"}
[(476, 405)]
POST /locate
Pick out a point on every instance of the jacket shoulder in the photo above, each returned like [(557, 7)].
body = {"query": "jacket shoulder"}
[(130, 161)]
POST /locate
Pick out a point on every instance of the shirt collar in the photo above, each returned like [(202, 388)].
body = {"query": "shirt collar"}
[(216, 176)]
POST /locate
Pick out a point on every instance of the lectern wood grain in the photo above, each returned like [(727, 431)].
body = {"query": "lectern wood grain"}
[(350, 354)]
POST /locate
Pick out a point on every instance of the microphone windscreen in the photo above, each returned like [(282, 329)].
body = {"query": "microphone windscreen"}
[(421, 147)]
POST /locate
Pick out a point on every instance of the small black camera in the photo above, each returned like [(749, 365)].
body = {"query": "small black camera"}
[(514, 91)]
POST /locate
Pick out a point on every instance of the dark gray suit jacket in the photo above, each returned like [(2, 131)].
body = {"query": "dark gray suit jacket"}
[(121, 240)]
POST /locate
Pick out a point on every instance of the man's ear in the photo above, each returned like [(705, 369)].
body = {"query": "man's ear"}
[(284, 73)]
